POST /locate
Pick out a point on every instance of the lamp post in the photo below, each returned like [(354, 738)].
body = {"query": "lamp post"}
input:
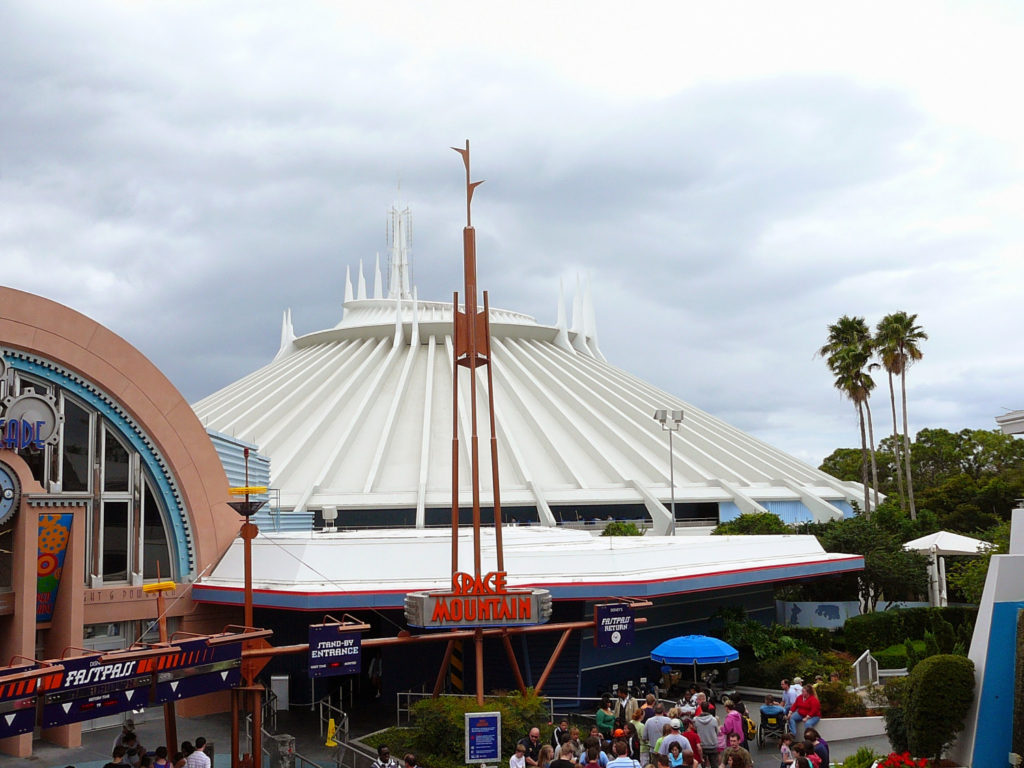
[(670, 421)]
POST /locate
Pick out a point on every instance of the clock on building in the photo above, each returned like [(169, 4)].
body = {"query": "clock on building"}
[(10, 492)]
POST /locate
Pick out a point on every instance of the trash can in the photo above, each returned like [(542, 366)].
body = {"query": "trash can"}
[(282, 750), (279, 687)]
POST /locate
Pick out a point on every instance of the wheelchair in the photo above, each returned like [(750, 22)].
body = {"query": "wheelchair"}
[(772, 727)]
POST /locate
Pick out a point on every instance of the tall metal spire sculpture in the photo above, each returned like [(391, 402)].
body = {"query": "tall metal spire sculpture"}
[(472, 341)]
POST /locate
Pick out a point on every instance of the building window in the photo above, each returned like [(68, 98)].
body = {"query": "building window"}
[(127, 525), (156, 554), (116, 535), (75, 453)]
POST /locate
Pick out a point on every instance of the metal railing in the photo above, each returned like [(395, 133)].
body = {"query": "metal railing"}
[(555, 706), (328, 710)]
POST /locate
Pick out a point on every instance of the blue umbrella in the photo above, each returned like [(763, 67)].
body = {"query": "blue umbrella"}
[(694, 649)]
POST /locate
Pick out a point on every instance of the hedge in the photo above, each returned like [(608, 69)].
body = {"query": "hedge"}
[(818, 638), (940, 692), (886, 628)]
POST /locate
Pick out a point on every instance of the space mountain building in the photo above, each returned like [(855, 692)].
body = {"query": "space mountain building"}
[(353, 426)]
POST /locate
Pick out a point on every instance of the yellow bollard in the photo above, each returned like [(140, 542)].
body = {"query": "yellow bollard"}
[(330, 734)]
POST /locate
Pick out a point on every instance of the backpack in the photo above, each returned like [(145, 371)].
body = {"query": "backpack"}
[(749, 728)]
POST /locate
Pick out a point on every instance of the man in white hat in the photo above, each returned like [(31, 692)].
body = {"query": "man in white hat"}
[(676, 737)]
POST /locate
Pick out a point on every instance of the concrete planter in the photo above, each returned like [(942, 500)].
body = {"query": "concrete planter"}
[(838, 728)]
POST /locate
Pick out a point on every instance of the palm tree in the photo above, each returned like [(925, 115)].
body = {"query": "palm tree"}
[(898, 339), (847, 354), (888, 356)]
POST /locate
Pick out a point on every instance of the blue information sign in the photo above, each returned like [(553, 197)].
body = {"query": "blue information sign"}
[(196, 669), (17, 701), (332, 651), (483, 737), (613, 625), (92, 687)]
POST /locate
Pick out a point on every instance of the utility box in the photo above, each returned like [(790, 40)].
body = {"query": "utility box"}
[(282, 750), (279, 687)]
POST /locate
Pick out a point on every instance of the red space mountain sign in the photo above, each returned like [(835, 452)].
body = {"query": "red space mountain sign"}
[(483, 601)]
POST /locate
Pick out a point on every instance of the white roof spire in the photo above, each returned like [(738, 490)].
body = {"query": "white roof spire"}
[(377, 281), (400, 253), (348, 286), (287, 335), (562, 336), (589, 321), (361, 288), (579, 328)]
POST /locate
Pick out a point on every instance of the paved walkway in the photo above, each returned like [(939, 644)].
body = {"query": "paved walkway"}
[(304, 726)]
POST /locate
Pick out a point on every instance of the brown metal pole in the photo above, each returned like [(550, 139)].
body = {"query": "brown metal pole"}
[(551, 662), (170, 720), (455, 434), (494, 438), (439, 683), (235, 761), (257, 726), (478, 640), (469, 249), (513, 662)]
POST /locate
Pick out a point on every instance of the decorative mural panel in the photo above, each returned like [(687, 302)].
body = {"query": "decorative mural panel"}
[(54, 534)]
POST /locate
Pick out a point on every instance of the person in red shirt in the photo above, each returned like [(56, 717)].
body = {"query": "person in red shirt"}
[(691, 735), (806, 709)]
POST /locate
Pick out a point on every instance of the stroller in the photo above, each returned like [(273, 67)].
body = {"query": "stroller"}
[(772, 727)]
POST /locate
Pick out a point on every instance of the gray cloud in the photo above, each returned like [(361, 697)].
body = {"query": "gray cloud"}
[(184, 176)]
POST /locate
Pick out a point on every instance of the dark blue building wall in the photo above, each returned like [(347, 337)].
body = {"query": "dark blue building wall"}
[(582, 669), (687, 614)]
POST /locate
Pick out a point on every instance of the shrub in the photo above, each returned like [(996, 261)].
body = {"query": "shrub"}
[(931, 645), (893, 657), (837, 701), (786, 665), (895, 721), (880, 630), (941, 690), (753, 524), (914, 654), (619, 528), (945, 634), (818, 638), (440, 724), (862, 758)]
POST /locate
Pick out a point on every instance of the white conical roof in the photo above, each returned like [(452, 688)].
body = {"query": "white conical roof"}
[(359, 416)]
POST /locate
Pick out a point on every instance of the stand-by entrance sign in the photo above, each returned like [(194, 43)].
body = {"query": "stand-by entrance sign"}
[(332, 652), (483, 737), (613, 625), (335, 647)]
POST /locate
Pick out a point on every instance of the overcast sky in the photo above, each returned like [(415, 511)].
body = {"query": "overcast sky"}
[(731, 176)]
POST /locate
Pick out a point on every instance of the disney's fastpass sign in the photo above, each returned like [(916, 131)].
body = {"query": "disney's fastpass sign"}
[(484, 601)]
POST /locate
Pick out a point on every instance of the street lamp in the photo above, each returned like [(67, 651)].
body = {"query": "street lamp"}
[(670, 421)]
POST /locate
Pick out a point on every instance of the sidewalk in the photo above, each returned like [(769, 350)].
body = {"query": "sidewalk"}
[(304, 726)]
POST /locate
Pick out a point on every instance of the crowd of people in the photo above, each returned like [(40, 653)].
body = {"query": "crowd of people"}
[(628, 733), (128, 752)]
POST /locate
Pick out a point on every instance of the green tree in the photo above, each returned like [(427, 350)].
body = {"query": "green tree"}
[(843, 463), (968, 576), (898, 342), (889, 570), (847, 353), (752, 524)]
